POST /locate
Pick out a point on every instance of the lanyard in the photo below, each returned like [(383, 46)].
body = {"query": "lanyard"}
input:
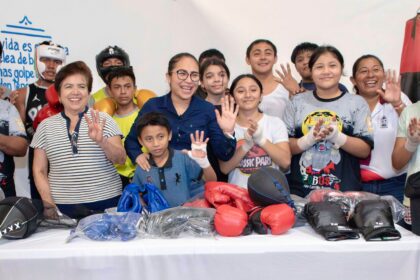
[(73, 137)]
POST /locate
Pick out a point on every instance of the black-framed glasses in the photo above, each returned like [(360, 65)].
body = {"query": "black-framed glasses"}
[(183, 75)]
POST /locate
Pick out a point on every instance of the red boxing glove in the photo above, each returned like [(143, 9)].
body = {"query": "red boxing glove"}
[(52, 97), (278, 217), (230, 221), (220, 193), (198, 203), (46, 112)]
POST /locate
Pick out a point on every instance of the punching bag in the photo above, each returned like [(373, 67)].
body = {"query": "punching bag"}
[(410, 59)]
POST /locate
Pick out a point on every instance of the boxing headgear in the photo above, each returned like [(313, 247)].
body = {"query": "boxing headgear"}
[(18, 218), (49, 50), (110, 52), (268, 186)]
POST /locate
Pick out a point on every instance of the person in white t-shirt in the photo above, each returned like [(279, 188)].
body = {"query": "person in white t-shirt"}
[(261, 55), (261, 139), (406, 153), (369, 77)]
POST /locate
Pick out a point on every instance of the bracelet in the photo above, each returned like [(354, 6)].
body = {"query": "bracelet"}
[(399, 106)]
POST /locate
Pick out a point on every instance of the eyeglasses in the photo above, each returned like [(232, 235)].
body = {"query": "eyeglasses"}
[(183, 75)]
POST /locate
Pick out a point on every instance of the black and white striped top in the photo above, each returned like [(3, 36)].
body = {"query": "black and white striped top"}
[(85, 177)]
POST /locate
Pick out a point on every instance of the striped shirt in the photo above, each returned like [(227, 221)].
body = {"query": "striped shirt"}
[(87, 176)]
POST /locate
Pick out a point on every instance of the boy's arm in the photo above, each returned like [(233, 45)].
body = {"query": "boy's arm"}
[(209, 174), (131, 144), (18, 98)]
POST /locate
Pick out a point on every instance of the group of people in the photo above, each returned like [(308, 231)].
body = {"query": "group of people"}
[(315, 130)]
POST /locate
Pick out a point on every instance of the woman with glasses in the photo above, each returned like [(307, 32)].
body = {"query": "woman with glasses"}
[(75, 150), (186, 114)]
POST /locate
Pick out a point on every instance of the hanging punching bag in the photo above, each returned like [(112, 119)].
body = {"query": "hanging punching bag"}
[(410, 59)]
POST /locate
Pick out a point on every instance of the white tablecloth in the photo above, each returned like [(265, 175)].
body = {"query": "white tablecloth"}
[(298, 254)]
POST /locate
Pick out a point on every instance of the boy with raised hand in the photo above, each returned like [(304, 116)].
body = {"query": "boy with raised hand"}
[(300, 57), (122, 87), (178, 174), (108, 59), (261, 55)]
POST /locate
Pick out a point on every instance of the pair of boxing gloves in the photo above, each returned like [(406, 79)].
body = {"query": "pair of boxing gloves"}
[(109, 106), (372, 218), (275, 219), (233, 204)]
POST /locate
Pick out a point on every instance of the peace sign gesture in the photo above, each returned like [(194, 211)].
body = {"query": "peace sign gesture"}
[(227, 119), (96, 126)]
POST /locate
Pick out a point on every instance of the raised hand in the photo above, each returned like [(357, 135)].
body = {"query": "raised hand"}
[(392, 93), (258, 134), (253, 126), (315, 134), (95, 126), (249, 135), (227, 119), (286, 79), (199, 149), (334, 135), (413, 135)]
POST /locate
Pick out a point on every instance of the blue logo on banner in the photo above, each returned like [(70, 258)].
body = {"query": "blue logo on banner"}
[(23, 29), (19, 42)]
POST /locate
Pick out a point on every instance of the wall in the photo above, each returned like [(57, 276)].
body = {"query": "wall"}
[(152, 31)]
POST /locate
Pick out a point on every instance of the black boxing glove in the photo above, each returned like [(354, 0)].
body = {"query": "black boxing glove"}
[(255, 221), (374, 220), (328, 219)]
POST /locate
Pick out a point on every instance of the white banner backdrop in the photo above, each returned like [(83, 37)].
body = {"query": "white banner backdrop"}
[(153, 31)]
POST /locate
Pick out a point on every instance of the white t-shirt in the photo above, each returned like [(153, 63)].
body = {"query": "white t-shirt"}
[(274, 103), (385, 125), (275, 131)]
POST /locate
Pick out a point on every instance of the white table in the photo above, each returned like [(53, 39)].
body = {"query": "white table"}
[(298, 254)]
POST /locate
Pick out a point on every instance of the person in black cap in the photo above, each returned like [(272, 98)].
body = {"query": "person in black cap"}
[(110, 58)]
